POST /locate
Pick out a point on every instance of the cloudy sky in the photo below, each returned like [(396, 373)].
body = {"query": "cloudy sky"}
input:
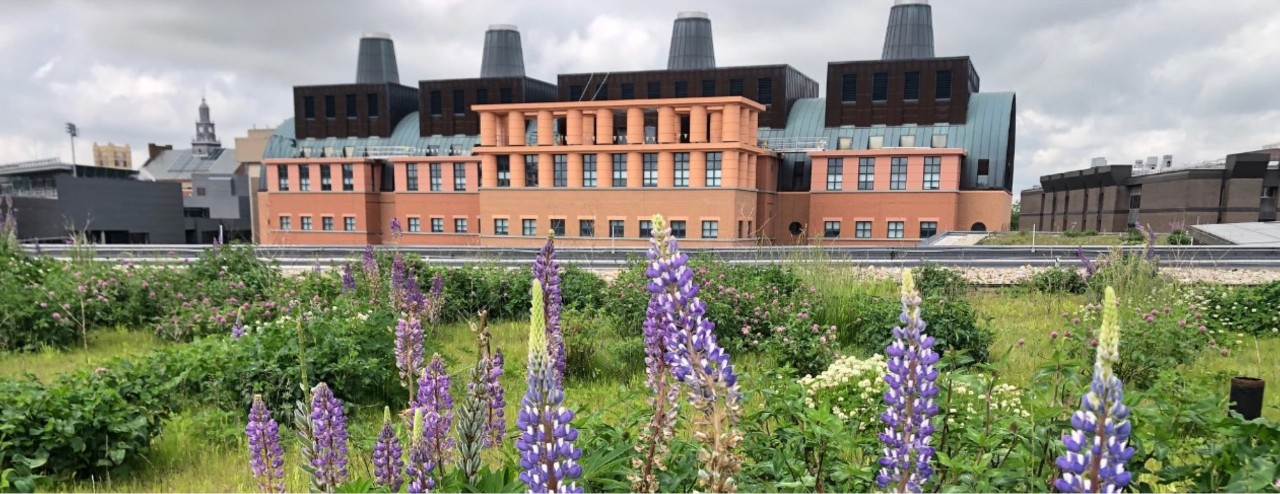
[(1114, 78)]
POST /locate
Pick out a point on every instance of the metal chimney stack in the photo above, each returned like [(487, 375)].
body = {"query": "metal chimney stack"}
[(503, 55), (910, 32), (691, 45), (377, 60)]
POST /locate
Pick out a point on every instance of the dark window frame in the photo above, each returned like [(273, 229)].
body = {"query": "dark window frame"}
[(835, 173), (898, 173)]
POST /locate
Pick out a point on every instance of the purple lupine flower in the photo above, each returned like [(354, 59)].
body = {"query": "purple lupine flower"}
[(905, 466), (370, 262), (388, 462), (237, 329), (329, 433), (1097, 446), (396, 231), (436, 405), (348, 279), (547, 271), (665, 401), (397, 280), (414, 300), (1089, 268), (497, 402), (266, 456), (409, 351), (548, 458), (435, 299), (695, 358), (419, 467)]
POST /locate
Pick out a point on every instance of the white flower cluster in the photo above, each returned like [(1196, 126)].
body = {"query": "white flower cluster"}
[(852, 388), (963, 403)]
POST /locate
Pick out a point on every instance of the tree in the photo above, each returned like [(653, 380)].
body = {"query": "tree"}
[(1014, 213)]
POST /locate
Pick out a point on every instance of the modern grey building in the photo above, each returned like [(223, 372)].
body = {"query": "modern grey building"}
[(53, 200), (215, 187)]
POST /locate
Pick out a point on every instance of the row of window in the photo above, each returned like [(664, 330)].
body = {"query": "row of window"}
[(436, 177), (862, 229), (617, 228), (680, 89), (459, 100), (331, 106), (897, 173), (326, 223), (304, 178), (880, 86), (618, 178)]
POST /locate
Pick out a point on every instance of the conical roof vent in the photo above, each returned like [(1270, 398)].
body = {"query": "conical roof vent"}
[(377, 60), (503, 55), (691, 45), (910, 32)]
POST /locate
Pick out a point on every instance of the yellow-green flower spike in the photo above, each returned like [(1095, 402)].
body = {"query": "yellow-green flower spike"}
[(659, 223), (417, 426), (908, 283), (1109, 335), (537, 322)]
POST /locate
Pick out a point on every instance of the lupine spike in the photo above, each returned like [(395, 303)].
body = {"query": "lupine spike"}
[(397, 280), (1097, 446), (388, 456), (419, 467), (497, 402), (548, 457), (348, 279), (472, 421), (329, 431), (547, 271), (655, 438), (906, 464), (409, 352), (436, 405), (266, 456)]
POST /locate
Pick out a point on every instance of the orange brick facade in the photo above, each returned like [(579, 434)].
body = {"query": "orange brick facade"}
[(591, 171)]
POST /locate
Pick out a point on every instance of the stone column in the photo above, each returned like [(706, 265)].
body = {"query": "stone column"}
[(666, 169), (546, 136), (575, 170), (546, 170), (488, 129), (573, 127), (517, 170), (698, 169), (634, 168), (698, 124), (666, 134), (635, 125), (604, 126), (515, 128), (729, 171)]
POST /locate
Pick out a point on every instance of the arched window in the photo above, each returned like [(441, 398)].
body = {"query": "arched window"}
[(978, 227), (795, 228)]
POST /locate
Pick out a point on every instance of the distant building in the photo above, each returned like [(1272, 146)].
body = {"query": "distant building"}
[(112, 156), (249, 151), (215, 187), (54, 199), (1112, 198)]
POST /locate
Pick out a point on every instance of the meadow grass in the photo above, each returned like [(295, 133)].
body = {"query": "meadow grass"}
[(104, 345)]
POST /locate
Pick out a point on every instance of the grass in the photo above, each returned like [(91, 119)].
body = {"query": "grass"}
[(104, 345), (1024, 238)]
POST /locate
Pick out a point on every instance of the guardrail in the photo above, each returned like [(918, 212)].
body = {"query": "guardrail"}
[(1223, 257)]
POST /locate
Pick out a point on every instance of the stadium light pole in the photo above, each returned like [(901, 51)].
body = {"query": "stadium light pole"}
[(73, 132)]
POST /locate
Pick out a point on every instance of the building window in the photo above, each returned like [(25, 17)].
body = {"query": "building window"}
[(713, 169), (348, 178), (557, 226), (628, 90), (349, 223), (306, 223), (866, 173), (286, 223), (939, 141), (943, 87), (619, 170), (682, 89), (330, 106), (326, 223), (984, 172), (530, 170), (373, 106), (711, 229), (504, 171), (932, 172), (646, 228), (617, 228), (862, 229), (437, 177), (650, 163), (830, 229), (459, 225), (459, 102), (304, 180), (911, 86), (898, 173), (529, 227), (351, 106), (411, 177), (764, 91), (459, 177), (437, 225), (682, 170), (575, 92), (907, 141), (678, 228), (835, 173), (560, 167), (437, 106), (586, 228), (735, 87), (708, 87), (880, 86), (499, 226), (875, 142), (482, 95), (848, 88), (654, 90), (282, 172), (896, 229), (308, 107), (928, 229), (588, 170), (415, 225), (504, 95), (326, 183)]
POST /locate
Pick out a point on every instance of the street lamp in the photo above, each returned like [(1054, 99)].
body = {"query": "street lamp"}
[(73, 132)]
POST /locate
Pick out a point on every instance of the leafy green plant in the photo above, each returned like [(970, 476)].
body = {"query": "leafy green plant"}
[(952, 322), (596, 347), (936, 281), (1179, 237), (1058, 280)]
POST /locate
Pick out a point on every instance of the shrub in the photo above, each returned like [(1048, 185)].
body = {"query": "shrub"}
[(581, 288), (1156, 337), (1133, 276), (1058, 280), (1246, 309), (1133, 236), (802, 345), (952, 322), (596, 347), (936, 281), (1179, 237)]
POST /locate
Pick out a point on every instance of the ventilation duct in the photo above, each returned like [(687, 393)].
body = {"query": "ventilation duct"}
[(377, 60), (910, 32), (691, 45), (503, 55)]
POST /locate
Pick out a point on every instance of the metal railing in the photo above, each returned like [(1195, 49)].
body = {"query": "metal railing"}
[(387, 151), (795, 144)]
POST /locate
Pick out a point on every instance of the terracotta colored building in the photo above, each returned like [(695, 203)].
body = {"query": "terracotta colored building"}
[(898, 150)]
